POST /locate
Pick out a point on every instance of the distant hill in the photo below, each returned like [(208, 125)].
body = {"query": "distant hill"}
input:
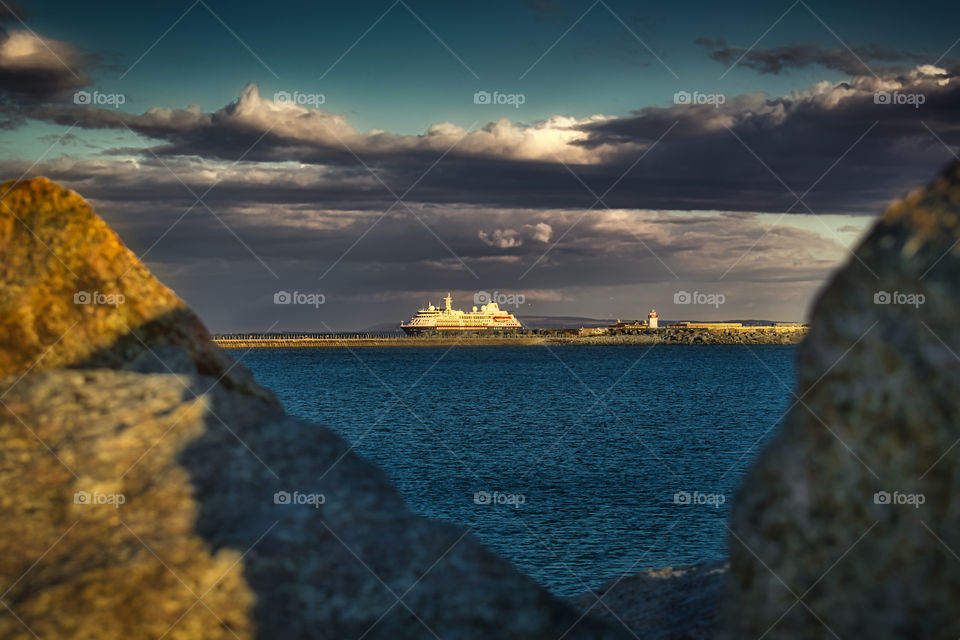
[(551, 322)]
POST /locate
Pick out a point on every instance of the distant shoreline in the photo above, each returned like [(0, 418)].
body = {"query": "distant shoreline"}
[(752, 336)]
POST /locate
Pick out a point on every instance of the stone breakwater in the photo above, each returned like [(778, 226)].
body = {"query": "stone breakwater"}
[(359, 342), (668, 336), (745, 336)]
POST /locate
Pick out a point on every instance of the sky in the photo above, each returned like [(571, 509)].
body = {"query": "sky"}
[(575, 158)]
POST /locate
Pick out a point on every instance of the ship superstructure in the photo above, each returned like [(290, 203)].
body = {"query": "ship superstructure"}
[(488, 318)]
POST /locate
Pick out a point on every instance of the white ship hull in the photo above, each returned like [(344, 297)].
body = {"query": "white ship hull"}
[(490, 318)]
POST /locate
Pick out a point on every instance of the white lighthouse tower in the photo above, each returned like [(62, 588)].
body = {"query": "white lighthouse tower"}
[(652, 319)]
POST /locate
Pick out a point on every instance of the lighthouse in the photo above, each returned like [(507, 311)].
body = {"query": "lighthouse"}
[(652, 319)]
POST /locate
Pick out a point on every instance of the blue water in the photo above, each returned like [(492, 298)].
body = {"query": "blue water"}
[(596, 440)]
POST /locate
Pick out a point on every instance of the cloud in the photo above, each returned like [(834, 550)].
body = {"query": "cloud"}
[(795, 56), (852, 151), (295, 132), (773, 148), (540, 232), (34, 68), (501, 238)]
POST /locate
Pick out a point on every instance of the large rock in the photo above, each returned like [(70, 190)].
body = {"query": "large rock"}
[(828, 538), (71, 294), (149, 493)]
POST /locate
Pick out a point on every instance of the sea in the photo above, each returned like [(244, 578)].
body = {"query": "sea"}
[(579, 464)]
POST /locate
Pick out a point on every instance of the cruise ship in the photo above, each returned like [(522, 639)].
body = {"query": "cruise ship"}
[(489, 317)]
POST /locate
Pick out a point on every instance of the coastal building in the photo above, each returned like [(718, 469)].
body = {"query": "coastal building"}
[(652, 318), (706, 325), (623, 326)]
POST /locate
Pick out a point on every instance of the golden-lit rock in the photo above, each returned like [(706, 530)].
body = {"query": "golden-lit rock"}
[(72, 295), (97, 533)]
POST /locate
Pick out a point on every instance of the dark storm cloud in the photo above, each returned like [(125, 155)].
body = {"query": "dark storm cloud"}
[(794, 56), (34, 69), (297, 239), (730, 157), (225, 269), (738, 154)]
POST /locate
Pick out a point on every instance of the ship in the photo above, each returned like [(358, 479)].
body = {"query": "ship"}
[(449, 321)]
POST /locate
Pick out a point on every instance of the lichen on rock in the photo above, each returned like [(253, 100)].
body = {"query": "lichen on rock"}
[(72, 295)]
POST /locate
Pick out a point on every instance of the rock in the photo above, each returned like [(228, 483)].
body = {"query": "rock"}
[(153, 493), (72, 295), (74, 562), (199, 466), (847, 523), (662, 604)]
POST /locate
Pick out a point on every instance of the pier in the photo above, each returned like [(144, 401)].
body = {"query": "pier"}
[(749, 335)]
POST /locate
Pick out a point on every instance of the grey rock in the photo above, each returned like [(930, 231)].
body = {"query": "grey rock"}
[(201, 469), (826, 536), (675, 603)]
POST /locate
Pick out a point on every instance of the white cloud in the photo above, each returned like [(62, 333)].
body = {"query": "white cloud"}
[(24, 50), (540, 232), (501, 238)]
